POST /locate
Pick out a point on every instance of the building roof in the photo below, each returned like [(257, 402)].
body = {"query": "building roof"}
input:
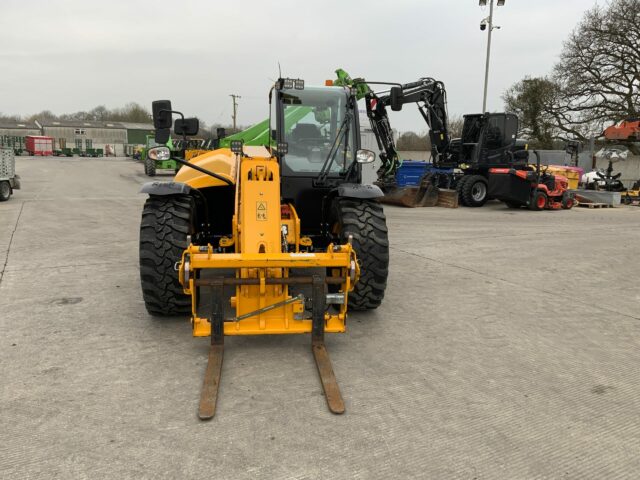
[(5, 124), (137, 126), (80, 124), (18, 125)]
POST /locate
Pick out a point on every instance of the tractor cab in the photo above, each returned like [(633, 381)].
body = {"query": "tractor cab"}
[(488, 140), (318, 145)]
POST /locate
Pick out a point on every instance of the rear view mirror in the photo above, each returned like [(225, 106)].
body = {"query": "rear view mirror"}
[(396, 99), (161, 110), (186, 126), (162, 135)]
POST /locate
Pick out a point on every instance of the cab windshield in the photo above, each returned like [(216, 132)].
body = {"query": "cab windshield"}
[(315, 129)]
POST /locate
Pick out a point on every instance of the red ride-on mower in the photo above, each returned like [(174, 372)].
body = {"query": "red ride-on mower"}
[(531, 188)]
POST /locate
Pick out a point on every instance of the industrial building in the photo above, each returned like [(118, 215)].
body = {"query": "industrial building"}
[(78, 134)]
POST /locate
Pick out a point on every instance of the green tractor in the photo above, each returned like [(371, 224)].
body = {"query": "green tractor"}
[(155, 156)]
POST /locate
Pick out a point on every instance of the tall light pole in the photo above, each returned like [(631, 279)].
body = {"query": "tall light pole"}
[(488, 22)]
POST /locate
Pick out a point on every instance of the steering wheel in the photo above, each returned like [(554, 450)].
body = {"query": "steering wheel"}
[(305, 146), (310, 142)]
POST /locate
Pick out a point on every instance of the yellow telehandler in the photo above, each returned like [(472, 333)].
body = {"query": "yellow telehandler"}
[(281, 238)]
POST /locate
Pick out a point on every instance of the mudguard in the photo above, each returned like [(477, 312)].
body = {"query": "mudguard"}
[(356, 190), (165, 188)]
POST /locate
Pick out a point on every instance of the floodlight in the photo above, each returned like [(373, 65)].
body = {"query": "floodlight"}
[(287, 83), (236, 146)]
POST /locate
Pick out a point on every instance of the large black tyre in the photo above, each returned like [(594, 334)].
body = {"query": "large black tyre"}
[(5, 191), (365, 221), (474, 191), (459, 187), (166, 222), (150, 167)]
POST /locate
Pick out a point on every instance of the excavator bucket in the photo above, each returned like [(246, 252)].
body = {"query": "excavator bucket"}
[(423, 195)]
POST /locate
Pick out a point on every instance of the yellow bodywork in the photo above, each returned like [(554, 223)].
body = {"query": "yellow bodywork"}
[(189, 154), (261, 254), (220, 161)]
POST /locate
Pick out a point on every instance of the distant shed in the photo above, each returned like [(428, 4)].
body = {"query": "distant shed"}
[(137, 132), (83, 135)]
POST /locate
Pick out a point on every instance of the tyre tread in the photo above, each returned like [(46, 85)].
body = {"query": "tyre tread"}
[(166, 222), (365, 221)]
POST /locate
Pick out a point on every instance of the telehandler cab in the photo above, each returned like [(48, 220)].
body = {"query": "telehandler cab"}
[(283, 237)]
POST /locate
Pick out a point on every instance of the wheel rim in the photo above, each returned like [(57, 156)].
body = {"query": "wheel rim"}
[(541, 201), (478, 191)]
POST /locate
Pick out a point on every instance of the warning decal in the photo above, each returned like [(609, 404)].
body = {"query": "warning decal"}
[(261, 211)]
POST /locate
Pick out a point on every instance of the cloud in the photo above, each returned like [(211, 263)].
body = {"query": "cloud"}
[(73, 55)]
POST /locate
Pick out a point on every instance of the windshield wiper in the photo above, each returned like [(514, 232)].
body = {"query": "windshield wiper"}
[(326, 166)]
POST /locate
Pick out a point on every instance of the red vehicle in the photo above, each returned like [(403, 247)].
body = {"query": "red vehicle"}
[(531, 188), (38, 145), (626, 130)]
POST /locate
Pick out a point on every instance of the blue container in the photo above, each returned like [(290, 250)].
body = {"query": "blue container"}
[(411, 171)]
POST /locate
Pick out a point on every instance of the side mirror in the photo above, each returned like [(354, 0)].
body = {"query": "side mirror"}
[(161, 114), (396, 99), (162, 135), (187, 126), (365, 156)]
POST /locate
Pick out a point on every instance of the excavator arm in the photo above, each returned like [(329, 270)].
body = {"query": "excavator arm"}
[(431, 98)]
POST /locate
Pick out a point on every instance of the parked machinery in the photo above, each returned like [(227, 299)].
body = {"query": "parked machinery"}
[(284, 237), (536, 188), (154, 158), (488, 140), (604, 180), (9, 180), (628, 130)]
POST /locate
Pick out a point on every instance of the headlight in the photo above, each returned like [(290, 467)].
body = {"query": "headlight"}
[(160, 153), (365, 156)]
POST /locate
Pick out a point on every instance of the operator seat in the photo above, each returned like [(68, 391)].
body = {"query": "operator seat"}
[(302, 132), (549, 180), (305, 131)]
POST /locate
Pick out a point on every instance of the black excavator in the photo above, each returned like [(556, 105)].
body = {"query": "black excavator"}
[(489, 140)]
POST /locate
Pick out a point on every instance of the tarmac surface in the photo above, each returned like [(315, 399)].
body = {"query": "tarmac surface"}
[(507, 347)]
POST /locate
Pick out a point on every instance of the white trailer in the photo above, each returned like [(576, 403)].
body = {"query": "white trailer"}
[(9, 181)]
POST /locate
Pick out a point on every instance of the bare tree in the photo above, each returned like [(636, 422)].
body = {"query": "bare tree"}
[(412, 141), (455, 126), (595, 83), (599, 70)]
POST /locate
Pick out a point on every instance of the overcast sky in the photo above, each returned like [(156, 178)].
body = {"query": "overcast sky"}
[(66, 56)]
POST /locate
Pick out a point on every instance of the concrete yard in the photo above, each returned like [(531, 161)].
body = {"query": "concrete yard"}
[(507, 347)]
